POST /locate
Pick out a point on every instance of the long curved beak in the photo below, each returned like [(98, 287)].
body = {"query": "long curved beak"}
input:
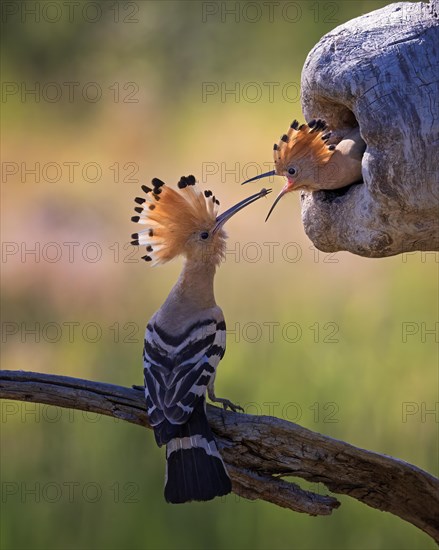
[(222, 218), (286, 189), (266, 175)]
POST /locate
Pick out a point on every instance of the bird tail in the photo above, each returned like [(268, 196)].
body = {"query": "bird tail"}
[(194, 467)]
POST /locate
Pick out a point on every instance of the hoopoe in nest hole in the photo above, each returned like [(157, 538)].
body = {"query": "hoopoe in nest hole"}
[(186, 338), (308, 162)]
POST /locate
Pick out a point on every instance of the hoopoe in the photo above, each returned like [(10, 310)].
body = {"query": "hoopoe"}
[(308, 162), (186, 338)]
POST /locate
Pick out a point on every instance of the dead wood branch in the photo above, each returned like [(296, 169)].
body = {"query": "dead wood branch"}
[(260, 449)]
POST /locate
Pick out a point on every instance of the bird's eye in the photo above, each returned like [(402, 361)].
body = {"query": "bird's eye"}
[(291, 171), (204, 235)]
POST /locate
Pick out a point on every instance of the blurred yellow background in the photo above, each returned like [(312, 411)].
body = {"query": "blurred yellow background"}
[(98, 98)]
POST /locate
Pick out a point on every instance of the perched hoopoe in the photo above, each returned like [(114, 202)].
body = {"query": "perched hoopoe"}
[(304, 156), (186, 338)]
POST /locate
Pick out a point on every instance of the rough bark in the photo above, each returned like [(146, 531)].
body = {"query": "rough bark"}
[(381, 71), (259, 450)]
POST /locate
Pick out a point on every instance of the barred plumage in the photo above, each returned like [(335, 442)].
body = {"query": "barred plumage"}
[(178, 369), (186, 338), (177, 372)]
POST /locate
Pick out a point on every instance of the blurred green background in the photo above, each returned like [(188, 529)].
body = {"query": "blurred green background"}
[(98, 98)]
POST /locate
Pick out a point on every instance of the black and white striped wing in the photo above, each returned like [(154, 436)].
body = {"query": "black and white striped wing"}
[(177, 369)]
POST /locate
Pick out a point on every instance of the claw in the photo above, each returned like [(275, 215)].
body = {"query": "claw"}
[(224, 402), (227, 404)]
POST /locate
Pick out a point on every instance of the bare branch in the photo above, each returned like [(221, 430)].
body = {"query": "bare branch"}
[(260, 449)]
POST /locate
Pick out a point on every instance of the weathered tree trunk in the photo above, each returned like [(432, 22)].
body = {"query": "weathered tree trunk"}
[(380, 71), (258, 450)]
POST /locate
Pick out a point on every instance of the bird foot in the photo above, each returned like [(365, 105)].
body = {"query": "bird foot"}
[(226, 403)]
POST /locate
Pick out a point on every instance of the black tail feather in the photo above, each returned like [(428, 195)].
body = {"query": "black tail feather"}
[(194, 475), (194, 468)]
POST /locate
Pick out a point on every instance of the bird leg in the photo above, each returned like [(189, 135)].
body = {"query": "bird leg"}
[(224, 402)]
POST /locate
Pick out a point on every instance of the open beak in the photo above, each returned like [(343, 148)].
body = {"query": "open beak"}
[(286, 189), (266, 175), (222, 218)]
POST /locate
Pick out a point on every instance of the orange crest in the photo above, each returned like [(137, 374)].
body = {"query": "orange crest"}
[(171, 216), (307, 142)]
